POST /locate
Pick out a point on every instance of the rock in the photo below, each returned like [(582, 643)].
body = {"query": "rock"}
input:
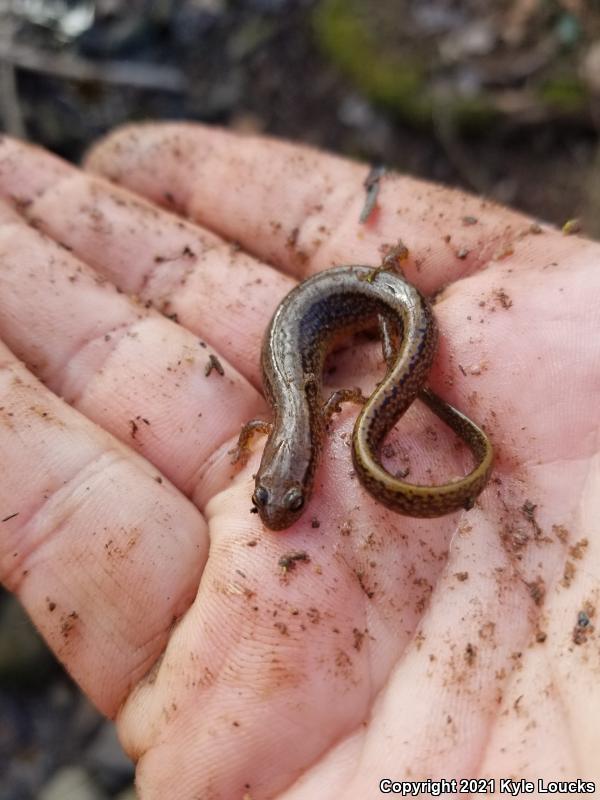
[(106, 760), (591, 67), (476, 39), (249, 37), (191, 20), (24, 657), (85, 720), (127, 794), (355, 111), (269, 6), (72, 782), (568, 30)]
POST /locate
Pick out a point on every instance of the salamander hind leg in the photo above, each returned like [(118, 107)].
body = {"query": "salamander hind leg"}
[(333, 404), (241, 451), (390, 339), (391, 262)]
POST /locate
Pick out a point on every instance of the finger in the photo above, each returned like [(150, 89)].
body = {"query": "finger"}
[(209, 286), (28, 171), (135, 373), (299, 208), (102, 551)]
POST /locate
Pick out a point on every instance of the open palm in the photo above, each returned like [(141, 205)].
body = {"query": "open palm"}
[(359, 644)]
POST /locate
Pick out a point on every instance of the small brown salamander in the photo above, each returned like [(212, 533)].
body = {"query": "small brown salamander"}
[(306, 325)]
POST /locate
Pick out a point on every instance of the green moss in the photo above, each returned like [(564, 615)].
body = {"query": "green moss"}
[(396, 83), (564, 93), (396, 74)]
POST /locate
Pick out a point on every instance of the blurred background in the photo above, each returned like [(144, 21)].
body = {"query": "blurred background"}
[(500, 97)]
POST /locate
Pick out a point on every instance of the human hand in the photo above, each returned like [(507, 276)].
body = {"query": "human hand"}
[(455, 647)]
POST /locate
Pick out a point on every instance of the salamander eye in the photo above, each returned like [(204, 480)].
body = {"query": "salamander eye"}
[(294, 499), (260, 497)]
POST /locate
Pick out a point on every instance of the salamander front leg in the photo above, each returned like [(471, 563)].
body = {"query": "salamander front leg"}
[(241, 451)]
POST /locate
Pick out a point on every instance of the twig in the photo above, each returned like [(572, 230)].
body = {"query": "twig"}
[(371, 184), (448, 134), (140, 76), (10, 108)]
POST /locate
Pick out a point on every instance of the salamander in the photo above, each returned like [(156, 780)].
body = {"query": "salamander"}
[(308, 323)]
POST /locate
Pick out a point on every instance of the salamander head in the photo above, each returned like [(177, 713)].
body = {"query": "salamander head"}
[(279, 505)]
